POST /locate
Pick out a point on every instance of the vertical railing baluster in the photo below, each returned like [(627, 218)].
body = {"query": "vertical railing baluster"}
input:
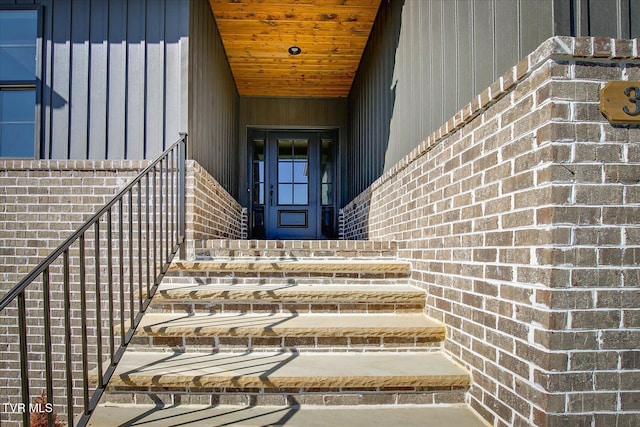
[(173, 205), (67, 334), (161, 207), (155, 227), (47, 340), (83, 326), (96, 246), (182, 203), (121, 255), (147, 254), (131, 297), (112, 338), (24, 358), (139, 187), (166, 212)]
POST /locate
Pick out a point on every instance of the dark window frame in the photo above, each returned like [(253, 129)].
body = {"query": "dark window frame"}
[(36, 83)]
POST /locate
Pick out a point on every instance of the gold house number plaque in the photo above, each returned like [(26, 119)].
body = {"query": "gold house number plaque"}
[(620, 102)]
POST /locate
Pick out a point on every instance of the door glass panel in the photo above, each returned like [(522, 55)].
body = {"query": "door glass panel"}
[(301, 173), (258, 194), (300, 194), (285, 194), (327, 194), (285, 171), (285, 149), (300, 149), (326, 171), (258, 171), (293, 173)]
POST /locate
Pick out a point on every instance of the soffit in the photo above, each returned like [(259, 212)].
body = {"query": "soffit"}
[(257, 34)]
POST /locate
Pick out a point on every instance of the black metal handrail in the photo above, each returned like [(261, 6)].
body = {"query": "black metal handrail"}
[(156, 225)]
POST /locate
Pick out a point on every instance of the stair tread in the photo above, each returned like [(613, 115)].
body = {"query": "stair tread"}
[(328, 325), (292, 292), (291, 265), (288, 369), (316, 416)]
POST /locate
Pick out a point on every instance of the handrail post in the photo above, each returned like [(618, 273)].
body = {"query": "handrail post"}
[(182, 195)]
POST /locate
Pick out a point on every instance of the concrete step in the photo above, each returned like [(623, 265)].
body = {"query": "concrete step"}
[(294, 249), (298, 268), (308, 416), (286, 372), (354, 332), (283, 297)]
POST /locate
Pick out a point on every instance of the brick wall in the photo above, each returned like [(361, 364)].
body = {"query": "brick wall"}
[(521, 216), (212, 213), (41, 204)]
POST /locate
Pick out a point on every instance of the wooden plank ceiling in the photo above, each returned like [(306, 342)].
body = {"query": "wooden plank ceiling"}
[(331, 34)]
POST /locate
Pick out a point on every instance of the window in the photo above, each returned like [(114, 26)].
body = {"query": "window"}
[(18, 34)]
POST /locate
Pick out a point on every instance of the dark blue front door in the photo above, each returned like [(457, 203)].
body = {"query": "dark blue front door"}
[(292, 185), (293, 182)]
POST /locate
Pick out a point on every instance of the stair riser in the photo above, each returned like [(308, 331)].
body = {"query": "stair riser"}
[(315, 247), (214, 307), (214, 254), (289, 397), (298, 344), (305, 277), (277, 279)]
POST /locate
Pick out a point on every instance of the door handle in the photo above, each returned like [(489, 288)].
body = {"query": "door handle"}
[(271, 195)]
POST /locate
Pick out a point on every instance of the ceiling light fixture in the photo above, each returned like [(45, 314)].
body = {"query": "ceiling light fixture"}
[(295, 50)]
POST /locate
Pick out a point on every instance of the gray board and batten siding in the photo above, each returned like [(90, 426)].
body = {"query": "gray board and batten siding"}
[(213, 101), (121, 79), (426, 59), (110, 74)]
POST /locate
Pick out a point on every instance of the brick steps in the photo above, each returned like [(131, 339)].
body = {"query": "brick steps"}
[(308, 416), (258, 329)]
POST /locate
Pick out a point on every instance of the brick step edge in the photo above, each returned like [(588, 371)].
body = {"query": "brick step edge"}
[(154, 413), (248, 307), (267, 397), (285, 344), (319, 245)]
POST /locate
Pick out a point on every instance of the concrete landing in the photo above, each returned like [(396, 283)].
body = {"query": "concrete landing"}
[(362, 416), (287, 370)]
